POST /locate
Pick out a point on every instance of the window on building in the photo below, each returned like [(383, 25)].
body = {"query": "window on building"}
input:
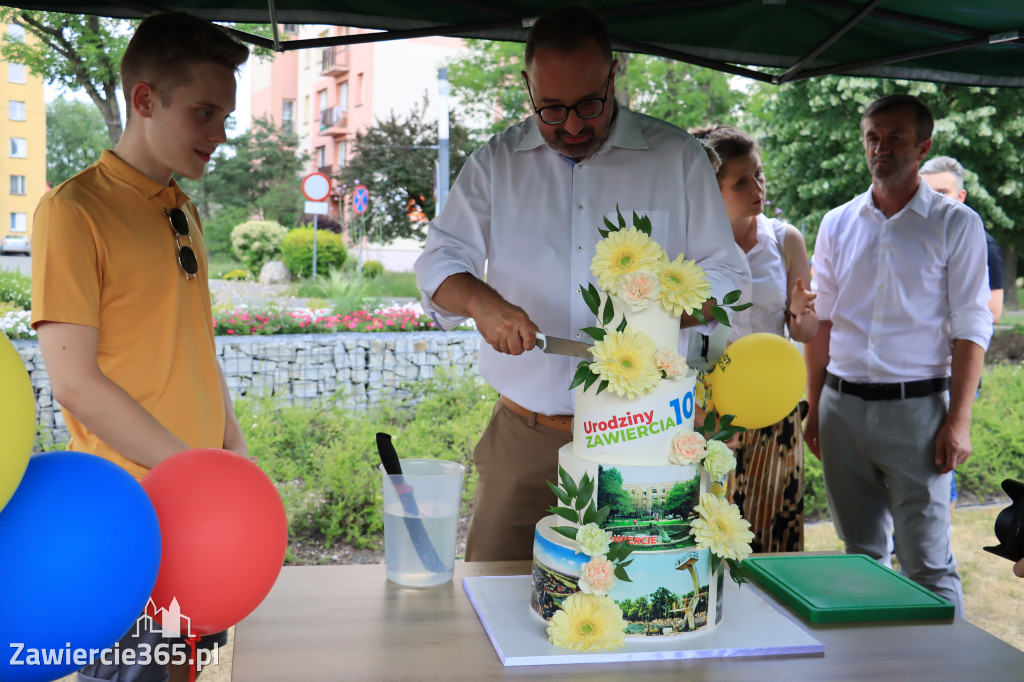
[(343, 96), (322, 99), (359, 90), (15, 73), (305, 111), (17, 184), (19, 148), (342, 153), (288, 115), (19, 222), (16, 110), (290, 29), (16, 32), (321, 157)]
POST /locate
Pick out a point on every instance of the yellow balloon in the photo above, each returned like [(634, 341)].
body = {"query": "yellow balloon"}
[(17, 419), (760, 379)]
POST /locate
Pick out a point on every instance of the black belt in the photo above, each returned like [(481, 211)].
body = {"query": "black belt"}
[(899, 391)]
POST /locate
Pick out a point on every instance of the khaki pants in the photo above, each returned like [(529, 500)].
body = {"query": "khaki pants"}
[(514, 460)]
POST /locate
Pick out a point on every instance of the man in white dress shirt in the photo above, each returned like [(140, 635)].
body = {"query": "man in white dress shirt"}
[(524, 215), (903, 301)]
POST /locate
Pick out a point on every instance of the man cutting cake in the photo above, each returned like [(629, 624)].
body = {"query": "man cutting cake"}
[(524, 215)]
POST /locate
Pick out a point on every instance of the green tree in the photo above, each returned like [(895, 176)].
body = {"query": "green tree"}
[(77, 51), (643, 609), (81, 52), (814, 159), (683, 497), (682, 94), (257, 171), (395, 159), (486, 78), (75, 137), (610, 493), (661, 603)]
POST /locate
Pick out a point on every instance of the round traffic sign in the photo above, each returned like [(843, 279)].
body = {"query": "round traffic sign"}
[(360, 199), (316, 186)]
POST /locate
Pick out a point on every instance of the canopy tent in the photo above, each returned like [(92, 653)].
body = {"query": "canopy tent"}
[(973, 42)]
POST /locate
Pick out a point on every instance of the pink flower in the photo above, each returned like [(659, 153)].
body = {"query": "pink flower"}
[(670, 362), (688, 447), (245, 317), (231, 331), (598, 576), (638, 289)]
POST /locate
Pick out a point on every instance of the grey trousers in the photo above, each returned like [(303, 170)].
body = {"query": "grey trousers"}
[(877, 458)]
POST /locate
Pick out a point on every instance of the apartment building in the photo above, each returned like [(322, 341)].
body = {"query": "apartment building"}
[(23, 166), (327, 95)]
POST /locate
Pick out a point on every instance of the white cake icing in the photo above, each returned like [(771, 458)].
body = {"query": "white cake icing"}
[(624, 444)]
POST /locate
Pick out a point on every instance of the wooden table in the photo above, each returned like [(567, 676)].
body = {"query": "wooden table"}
[(349, 623)]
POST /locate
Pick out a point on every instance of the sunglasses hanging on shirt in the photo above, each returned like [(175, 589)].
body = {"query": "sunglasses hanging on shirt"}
[(186, 256)]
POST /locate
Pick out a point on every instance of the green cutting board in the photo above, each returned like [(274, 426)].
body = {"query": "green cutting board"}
[(844, 588)]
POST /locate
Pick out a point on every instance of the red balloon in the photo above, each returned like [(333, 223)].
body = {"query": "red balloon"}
[(224, 534)]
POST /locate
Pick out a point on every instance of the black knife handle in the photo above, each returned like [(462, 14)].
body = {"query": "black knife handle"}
[(388, 456)]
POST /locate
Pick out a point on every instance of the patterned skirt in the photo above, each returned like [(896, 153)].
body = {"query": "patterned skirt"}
[(768, 484)]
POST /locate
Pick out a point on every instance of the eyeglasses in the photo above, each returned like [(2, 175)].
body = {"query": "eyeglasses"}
[(186, 256), (558, 113)]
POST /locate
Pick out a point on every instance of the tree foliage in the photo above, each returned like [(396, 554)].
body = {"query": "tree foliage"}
[(81, 52), (396, 160), (813, 155), (610, 493), (257, 171), (683, 94), (77, 51), (488, 81), (75, 137), (683, 497)]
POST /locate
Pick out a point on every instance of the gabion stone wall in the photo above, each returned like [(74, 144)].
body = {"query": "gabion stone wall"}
[(354, 370)]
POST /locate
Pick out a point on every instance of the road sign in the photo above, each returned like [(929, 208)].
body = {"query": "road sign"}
[(360, 199), (316, 208), (316, 186)]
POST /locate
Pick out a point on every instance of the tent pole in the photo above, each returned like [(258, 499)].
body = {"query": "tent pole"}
[(824, 45)]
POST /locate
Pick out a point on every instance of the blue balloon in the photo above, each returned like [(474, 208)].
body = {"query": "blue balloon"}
[(79, 554)]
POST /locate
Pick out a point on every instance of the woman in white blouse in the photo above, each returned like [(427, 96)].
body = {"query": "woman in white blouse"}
[(768, 484)]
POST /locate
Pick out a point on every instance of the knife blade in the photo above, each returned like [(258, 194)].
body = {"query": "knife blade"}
[(559, 346)]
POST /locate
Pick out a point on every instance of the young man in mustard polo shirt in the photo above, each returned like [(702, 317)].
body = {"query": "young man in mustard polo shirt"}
[(120, 298)]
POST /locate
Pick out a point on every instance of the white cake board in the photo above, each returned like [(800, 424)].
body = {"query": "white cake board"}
[(750, 627)]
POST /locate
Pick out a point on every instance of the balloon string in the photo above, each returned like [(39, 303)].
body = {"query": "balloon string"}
[(192, 659)]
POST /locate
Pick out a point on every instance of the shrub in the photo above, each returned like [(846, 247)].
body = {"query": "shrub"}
[(297, 251), (323, 459), (373, 269), (257, 241), (236, 274), (16, 288), (217, 230)]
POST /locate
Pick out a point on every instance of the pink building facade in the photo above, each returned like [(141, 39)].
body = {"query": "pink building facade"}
[(327, 95)]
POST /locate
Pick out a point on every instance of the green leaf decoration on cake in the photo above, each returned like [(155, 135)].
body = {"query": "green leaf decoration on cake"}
[(592, 297), (608, 313), (718, 428), (579, 495), (596, 333)]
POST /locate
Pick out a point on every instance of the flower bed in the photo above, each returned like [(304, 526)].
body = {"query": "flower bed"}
[(244, 322)]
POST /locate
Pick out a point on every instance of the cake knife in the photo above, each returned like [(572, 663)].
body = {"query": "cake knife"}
[(417, 532), (557, 346)]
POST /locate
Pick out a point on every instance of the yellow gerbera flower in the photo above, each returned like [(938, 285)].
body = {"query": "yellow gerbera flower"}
[(684, 287), (623, 252), (720, 528), (588, 622), (626, 361)]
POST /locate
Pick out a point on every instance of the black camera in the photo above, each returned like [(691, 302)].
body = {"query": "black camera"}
[(1010, 524)]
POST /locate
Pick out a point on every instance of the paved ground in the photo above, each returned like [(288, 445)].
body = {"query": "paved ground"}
[(21, 263)]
